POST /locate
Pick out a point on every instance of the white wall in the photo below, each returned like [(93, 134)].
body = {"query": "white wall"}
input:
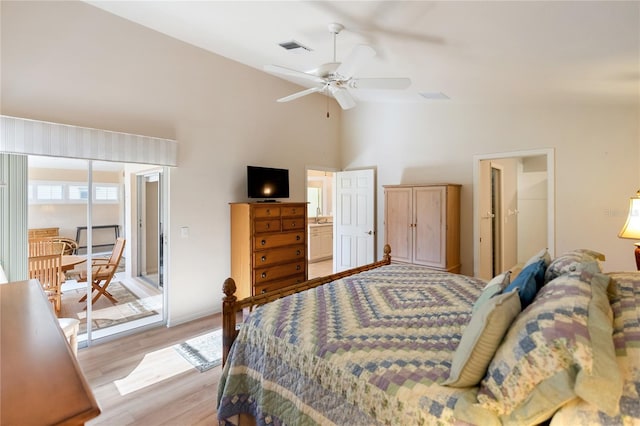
[(532, 204), (596, 152), (71, 63)]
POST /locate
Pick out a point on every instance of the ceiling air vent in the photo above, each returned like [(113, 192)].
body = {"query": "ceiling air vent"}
[(294, 46), (433, 95)]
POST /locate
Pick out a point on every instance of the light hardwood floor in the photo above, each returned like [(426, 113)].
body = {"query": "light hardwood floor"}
[(187, 398), (320, 269)]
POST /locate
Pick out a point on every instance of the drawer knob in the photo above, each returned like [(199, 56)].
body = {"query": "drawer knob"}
[(268, 211), (268, 225), (264, 290), (263, 242), (298, 252), (298, 268), (293, 224), (297, 237), (263, 275), (263, 258)]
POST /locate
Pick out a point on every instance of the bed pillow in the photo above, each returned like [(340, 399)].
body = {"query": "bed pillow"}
[(571, 261), (528, 281), (541, 255), (558, 349), (481, 338), (515, 270), (493, 287)]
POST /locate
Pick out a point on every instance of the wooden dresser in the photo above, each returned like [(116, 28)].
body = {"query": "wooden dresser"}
[(268, 246), (41, 382), (422, 225)]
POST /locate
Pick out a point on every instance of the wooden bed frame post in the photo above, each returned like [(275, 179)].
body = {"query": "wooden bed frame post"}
[(228, 317)]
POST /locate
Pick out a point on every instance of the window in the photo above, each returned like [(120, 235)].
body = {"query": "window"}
[(41, 192), (51, 192), (106, 193), (78, 192)]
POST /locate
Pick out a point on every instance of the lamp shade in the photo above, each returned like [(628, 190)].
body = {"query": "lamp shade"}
[(631, 228)]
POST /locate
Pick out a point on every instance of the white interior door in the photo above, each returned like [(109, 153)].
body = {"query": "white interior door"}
[(354, 219), (485, 256)]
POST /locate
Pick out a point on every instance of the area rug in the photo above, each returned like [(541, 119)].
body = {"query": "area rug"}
[(106, 314), (203, 352)]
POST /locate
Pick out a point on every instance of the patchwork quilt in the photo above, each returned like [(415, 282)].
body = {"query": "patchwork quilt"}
[(625, 304), (368, 349)]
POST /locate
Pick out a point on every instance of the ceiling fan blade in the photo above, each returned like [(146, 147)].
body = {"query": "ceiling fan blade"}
[(300, 94), (292, 73), (380, 83), (356, 58), (343, 97)]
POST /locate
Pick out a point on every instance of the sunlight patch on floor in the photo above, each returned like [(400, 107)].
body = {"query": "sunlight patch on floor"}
[(155, 367)]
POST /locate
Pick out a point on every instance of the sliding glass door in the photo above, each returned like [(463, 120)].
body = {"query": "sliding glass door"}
[(93, 204)]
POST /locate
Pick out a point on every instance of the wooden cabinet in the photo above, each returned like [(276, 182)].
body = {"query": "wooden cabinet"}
[(422, 225), (320, 242), (41, 382), (268, 246)]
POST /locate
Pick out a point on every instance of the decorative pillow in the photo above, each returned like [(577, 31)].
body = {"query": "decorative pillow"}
[(571, 261), (481, 338), (559, 349), (493, 287), (528, 281), (515, 270), (541, 255)]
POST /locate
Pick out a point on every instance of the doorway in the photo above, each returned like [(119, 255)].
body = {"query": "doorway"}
[(150, 228), (320, 187), (89, 201), (513, 209)]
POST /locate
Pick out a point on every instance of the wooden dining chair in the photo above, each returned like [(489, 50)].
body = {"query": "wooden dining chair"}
[(44, 247), (102, 272), (48, 271), (69, 245)]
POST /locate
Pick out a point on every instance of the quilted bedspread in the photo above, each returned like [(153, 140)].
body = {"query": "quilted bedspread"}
[(368, 349), (626, 339)]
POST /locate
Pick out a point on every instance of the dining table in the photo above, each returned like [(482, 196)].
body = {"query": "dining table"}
[(69, 261)]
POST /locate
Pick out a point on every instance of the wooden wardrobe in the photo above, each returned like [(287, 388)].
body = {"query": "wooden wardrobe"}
[(422, 225)]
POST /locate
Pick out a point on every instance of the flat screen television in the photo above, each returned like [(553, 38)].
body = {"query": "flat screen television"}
[(267, 183)]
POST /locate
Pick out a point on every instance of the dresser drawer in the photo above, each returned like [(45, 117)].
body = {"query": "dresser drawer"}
[(266, 225), (278, 240), (267, 211), (293, 210), (275, 285), (292, 223), (262, 275), (269, 257)]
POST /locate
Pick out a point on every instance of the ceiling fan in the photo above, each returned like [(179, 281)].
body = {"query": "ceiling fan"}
[(335, 78)]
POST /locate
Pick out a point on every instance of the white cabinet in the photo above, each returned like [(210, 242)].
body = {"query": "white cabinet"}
[(320, 242), (422, 225)]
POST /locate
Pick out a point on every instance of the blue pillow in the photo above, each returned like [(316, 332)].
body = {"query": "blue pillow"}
[(528, 282)]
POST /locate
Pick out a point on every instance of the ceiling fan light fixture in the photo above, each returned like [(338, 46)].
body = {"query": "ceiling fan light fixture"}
[(337, 78)]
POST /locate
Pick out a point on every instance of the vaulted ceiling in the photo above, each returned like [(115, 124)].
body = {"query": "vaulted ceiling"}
[(470, 51)]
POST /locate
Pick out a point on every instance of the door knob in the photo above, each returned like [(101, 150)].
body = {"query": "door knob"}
[(370, 232)]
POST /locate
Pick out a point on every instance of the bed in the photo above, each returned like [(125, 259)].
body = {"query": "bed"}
[(401, 344)]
